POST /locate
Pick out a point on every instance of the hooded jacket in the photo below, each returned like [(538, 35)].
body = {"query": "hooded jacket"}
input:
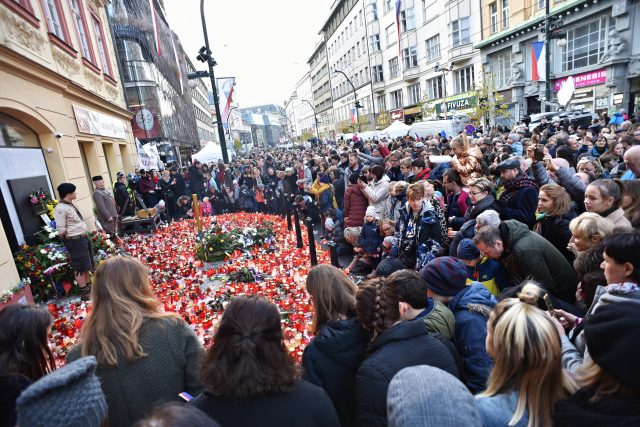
[(579, 411), (529, 255), (402, 345), (418, 246), (471, 308), (378, 194), (331, 360)]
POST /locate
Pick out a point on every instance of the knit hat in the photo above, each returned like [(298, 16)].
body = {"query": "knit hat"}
[(389, 266), (613, 333), (69, 396), (65, 188), (427, 396), (372, 212), (445, 275), (325, 179), (467, 250), (514, 137)]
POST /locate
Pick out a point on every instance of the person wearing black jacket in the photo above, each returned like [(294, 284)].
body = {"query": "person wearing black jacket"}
[(196, 180), (178, 187), (396, 344), (124, 203), (333, 356)]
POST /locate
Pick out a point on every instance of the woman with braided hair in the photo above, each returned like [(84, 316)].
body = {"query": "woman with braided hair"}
[(397, 342)]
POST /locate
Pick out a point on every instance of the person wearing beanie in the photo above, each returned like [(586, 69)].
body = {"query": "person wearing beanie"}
[(446, 279), (370, 240), (481, 268), (73, 232), (427, 396), (610, 378), (67, 397)]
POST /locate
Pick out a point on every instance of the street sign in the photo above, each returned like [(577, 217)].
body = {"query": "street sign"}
[(469, 129)]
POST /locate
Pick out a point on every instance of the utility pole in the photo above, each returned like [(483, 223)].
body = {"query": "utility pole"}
[(355, 99)]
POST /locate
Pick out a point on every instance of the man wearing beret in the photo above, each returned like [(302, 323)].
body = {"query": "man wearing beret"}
[(105, 206), (73, 232), (518, 195)]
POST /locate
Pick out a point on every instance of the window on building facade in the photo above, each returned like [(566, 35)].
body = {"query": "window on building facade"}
[(433, 48), (390, 32), (493, 12), (460, 32), (396, 99), (505, 14), (375, 42), (410, 57), (501, 67), (540, 4), (463, 80), (381, 103), (102, 46), (378, 74), (407, 19), (414, 93), (585, 44), (80, 22), (387, 5), (393, 68), (374, 11), (434, 88), (54, 15)]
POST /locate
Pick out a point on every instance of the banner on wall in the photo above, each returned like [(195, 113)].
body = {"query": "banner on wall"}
[(96, 123), (147, 158), (145, 123)]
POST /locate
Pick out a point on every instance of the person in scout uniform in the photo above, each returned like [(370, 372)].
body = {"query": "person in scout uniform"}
[(73, 232)]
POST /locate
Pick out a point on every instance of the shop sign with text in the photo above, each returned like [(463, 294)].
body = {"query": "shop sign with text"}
[(583, 80), (457, 104)]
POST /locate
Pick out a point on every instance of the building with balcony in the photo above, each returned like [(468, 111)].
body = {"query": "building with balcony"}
[(63, 117), (345, 35), (601, 53), (321, 90), (155, 79)]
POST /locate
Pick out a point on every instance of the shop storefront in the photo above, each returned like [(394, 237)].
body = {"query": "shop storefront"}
[(458, 105), (590, 91), (412, 115)]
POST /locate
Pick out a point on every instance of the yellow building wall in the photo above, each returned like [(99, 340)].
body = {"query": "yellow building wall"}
[(519, 11), (39, 85)]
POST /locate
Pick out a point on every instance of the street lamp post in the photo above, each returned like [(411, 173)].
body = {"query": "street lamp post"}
[(551, 26), (315, 119), (437, 68), (205, 56), (355, 98), (229, 124)]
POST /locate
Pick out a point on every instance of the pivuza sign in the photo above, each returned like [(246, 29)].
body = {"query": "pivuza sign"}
[(457, 104)]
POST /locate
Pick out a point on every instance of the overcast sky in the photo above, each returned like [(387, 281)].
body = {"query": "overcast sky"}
[(265, 45)]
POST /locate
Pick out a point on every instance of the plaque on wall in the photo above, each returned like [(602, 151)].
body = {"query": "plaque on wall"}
[(20, 189)]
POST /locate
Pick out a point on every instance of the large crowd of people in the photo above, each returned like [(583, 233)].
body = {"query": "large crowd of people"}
[(498, 285)]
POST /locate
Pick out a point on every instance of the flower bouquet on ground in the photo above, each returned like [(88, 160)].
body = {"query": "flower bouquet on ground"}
[(215, 244)]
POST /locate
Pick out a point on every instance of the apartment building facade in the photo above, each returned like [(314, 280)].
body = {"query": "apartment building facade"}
[(63, 117), (321, 91)]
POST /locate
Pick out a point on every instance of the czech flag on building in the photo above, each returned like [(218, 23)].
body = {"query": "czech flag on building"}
[(538, 62), (353, 116), (398, 6)]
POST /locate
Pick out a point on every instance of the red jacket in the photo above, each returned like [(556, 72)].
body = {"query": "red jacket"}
[(355, 206)]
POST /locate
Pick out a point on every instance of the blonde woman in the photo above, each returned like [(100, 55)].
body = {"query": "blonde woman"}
[(587, 230), (333, 356), (467, 161), (527, 377), (145, 356), (555, 213)]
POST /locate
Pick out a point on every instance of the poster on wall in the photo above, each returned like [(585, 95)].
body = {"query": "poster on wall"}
[(96, 123), (147, 158), (145, 123)]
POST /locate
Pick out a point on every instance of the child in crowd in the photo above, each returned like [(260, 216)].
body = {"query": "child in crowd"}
[(370, 238), (205, 207), (481, 268)]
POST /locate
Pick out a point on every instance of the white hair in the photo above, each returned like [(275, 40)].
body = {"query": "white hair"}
[(488, 217)]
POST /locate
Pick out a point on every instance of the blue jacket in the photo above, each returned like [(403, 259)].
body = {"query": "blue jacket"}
[(422, 244), (331, 360), (496, 411), (438, 172), (471, 307), (370, 238)]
